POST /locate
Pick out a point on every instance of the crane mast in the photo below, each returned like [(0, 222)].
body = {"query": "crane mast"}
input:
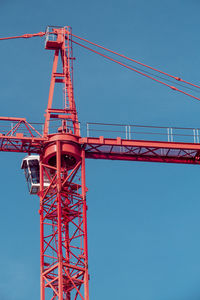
[(63, 210)]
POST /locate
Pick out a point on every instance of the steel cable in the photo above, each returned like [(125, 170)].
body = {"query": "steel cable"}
[(137, 71)]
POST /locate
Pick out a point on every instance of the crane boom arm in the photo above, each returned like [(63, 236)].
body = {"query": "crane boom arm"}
[(140, 150), (17, 135)]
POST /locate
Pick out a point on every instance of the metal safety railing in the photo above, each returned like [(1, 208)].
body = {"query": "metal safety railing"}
[(142, 132), (50, 35), (128, 132), (11, 128)]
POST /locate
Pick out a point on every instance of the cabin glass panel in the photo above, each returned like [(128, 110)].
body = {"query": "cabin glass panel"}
[(30, 165)]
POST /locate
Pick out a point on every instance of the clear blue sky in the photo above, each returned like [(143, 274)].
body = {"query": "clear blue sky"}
[(143, 218)]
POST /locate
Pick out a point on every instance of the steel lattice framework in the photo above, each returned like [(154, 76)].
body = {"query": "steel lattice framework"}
[(64, 255), (63, 209)]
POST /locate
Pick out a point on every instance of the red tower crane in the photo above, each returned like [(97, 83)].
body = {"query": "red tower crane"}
[(56, 172)]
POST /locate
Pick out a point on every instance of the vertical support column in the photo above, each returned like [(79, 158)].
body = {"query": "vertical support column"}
[(59, 214), (86, 275), (51, 91), (42, 288), (68, 71)]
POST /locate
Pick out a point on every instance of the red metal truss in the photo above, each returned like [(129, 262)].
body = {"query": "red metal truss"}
[(58, 39), (17, 135), (63, 224), (139, 150)]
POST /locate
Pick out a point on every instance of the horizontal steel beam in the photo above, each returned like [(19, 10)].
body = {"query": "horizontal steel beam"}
[(134, 150)]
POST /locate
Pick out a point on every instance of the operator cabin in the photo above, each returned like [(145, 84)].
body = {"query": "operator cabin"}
[(30, 165)]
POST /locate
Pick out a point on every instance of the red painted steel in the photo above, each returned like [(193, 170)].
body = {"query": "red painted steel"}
[(24, 36), (63, 47), (63, 209), (138, 150), (113, 149), (64, 257), (63, 227), (17, 135)]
